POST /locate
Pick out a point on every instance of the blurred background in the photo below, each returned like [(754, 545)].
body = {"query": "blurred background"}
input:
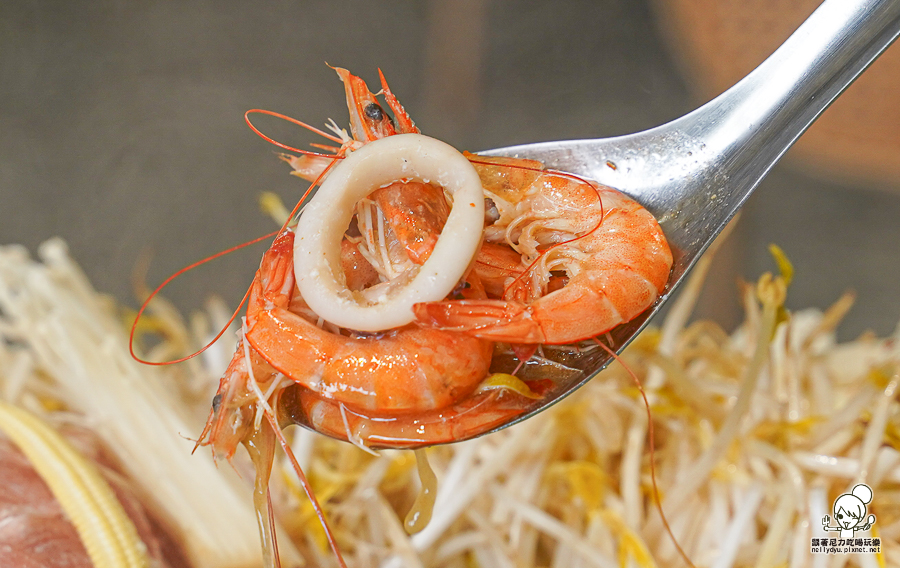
[(121, 124)]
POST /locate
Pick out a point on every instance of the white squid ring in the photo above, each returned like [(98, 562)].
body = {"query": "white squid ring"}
[(325, 218)]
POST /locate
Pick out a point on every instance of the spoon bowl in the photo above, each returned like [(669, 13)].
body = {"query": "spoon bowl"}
[(695, 172)]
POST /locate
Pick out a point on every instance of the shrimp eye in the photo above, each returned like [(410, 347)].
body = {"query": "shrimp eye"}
[(216, 402), (374, 112)]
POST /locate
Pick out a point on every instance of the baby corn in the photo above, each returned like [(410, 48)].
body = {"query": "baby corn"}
[(106, 531)]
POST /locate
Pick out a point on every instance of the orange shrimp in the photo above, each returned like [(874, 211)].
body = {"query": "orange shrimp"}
[(416, 212), (497, 265), (612, 251), (462, 420), (410, 369), (418, 384), (407, 371)]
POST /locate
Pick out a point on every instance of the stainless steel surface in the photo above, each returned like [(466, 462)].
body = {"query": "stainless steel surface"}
[(695, 172)]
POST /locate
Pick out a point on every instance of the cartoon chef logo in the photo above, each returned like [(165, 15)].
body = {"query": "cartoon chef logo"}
[(850, 512)]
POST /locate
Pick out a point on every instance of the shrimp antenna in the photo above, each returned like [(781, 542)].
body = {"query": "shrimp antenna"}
[(307, 488), (291, 120), (652, 443), (166, 282)]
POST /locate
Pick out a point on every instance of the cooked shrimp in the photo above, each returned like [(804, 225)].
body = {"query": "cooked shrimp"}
[(407, 369), (497, 266), (398, 209), (231, 419), (462, 420), (348, 326), (416, 213), (612, 251), (381, 152), (359, 272)]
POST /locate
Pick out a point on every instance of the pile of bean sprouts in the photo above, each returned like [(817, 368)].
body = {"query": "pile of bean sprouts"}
[(64, 356), (756, 433)]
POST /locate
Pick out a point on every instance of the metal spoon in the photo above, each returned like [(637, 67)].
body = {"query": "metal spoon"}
[(695, 172)]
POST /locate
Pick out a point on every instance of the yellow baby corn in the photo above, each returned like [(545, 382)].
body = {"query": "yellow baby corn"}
[(106, 531)]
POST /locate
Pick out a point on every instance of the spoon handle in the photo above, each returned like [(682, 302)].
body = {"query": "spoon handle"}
[(753, 124), (695, 172)]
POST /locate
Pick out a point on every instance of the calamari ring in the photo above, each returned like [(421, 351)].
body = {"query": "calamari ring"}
[(324, 220)]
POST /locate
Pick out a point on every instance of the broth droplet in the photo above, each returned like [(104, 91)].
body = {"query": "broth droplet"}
[(420, 513)]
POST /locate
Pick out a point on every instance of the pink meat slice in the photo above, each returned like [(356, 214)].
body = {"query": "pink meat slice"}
[(34, 530)]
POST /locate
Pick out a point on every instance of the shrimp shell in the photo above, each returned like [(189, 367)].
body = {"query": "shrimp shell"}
[(612, 251)]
